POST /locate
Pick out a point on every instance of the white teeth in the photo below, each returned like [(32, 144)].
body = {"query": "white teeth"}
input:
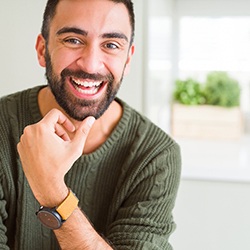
[(87, 84), (90, 91)]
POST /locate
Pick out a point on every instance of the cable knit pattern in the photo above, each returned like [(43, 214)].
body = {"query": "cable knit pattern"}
[(127, 187)]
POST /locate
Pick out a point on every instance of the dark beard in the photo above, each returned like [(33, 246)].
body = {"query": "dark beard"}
[(76, 108)]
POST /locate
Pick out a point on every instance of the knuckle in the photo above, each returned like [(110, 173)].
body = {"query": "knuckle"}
[(54, 111), (27, 129)]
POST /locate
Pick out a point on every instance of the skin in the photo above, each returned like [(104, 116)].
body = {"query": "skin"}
[(57, 141)]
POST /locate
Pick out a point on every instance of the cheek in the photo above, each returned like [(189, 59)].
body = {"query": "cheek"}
[(61, 60), (116, 67)]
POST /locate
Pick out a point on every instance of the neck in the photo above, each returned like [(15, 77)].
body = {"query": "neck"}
[(101, 129)]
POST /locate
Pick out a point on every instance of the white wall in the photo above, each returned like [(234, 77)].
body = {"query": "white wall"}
[(20, 23), (212, 216)]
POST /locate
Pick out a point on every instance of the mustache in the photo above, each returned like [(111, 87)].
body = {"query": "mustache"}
[(84, 75)]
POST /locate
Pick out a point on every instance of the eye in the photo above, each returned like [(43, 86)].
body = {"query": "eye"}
[(111, 46), (73, 42)]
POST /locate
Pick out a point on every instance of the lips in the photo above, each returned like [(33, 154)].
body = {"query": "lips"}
[(86, 87)]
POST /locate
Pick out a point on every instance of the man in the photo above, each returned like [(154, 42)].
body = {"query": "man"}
[(92, 172)]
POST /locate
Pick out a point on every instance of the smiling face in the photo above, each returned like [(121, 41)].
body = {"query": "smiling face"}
[(86, 55)]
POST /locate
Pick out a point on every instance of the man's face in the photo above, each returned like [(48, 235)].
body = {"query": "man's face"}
[(87, 54)]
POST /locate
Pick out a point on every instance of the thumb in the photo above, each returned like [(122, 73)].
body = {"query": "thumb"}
[(82, 132)]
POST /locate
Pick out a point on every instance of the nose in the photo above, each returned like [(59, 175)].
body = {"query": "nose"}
[(90, 60)]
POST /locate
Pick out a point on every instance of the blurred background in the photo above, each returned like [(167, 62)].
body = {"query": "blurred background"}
[(187, 53)]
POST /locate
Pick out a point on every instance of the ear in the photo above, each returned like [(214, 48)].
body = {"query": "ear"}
[(128, 62), (40, 50)]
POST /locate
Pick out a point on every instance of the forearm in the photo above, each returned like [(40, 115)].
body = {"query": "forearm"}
[(78, 233), (52, 146)]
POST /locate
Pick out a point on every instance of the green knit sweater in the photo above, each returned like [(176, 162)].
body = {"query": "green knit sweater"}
[(127, 187)]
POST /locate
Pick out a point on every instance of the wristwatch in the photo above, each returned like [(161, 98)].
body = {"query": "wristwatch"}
[(53, 218)]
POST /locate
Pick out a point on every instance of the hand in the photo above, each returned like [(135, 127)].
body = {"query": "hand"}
[(47, 153)]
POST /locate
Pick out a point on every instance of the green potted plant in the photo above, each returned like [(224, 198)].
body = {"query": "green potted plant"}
[(207, 110), (222, 90), (189, 92)]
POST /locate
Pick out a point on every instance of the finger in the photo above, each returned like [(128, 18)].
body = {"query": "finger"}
[(57, 117), (61, 132), (82, 132)]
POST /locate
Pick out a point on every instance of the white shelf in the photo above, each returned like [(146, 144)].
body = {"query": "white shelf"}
[(216, 160)]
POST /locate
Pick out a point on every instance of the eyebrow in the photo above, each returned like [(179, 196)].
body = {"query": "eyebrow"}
[(72, 30), (78, 31), (115, 35)]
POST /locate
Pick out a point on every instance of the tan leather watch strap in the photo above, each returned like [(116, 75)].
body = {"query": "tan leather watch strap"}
[(66, 208)]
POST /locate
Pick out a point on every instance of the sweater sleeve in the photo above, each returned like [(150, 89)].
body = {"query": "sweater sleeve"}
[(3, 217), (7, 202), (144, 220)]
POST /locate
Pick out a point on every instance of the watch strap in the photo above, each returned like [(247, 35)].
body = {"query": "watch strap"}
[(66, 208)]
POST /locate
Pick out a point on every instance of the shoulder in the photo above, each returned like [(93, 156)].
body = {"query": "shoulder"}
[(12, 101), (144, 130), (16, 110), (147, 144), (15, 103)]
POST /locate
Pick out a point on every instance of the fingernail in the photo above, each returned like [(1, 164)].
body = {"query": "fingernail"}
[(91, 121)]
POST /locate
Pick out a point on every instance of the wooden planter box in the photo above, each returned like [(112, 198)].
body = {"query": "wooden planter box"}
[(206, 122)]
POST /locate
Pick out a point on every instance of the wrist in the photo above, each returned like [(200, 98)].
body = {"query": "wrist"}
[(52, 197), (54, 217)]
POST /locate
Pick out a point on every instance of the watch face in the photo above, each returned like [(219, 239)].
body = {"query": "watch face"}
[(49, 218)]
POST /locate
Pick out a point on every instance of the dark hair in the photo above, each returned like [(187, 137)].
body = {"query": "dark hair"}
[(50, 11)]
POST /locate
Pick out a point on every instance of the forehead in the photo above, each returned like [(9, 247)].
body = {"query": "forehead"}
[(94, 16)]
